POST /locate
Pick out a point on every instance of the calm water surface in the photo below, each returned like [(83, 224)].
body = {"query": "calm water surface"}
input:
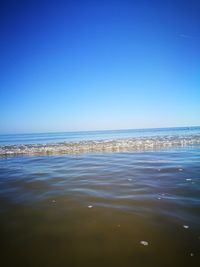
[(95, 209), (57, 137)]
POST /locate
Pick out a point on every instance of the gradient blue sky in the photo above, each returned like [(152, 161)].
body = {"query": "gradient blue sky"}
[(87, 65)]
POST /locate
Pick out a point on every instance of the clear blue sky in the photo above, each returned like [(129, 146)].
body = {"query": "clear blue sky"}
[(87, 65)]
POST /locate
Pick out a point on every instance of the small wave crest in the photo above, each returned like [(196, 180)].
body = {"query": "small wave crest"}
[(117, 145)]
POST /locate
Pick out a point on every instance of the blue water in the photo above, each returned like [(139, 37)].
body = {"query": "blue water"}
[(57, 137)]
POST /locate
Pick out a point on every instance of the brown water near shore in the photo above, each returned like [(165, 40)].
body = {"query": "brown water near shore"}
[(95, 209)]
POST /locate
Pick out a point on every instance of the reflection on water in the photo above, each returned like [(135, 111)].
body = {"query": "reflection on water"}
[(109, 209)]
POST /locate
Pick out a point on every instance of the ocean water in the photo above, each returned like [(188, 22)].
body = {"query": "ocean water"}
[(59, 137), (102, 208), (101, 141)]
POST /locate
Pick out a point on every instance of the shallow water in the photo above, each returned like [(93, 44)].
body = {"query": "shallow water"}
[(95, 209)]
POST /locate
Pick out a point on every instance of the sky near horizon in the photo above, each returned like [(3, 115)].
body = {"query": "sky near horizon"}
[(94, 65)]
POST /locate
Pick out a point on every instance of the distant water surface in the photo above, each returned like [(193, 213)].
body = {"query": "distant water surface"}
[(104, 141), (138, 208), (57, 137)]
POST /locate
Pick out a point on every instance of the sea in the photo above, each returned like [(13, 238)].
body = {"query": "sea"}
[(123, 198)]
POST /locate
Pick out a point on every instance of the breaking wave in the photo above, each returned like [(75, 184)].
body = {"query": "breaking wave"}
[(116, 145)]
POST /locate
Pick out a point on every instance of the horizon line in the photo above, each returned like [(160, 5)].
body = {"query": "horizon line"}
[(105, 130)]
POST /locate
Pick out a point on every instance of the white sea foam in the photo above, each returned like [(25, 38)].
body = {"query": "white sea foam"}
[(116, 145)]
